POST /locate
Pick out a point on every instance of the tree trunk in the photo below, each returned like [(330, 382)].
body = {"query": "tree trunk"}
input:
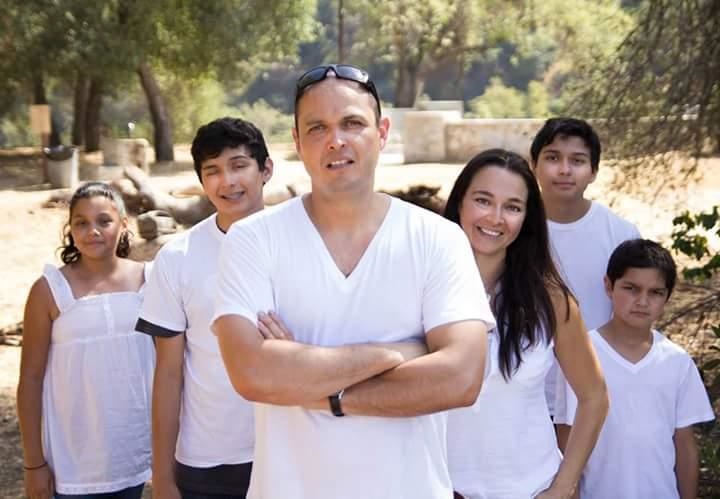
[(80, 103), (161, 120), (39, 97), (408, 84), (458, 85), (341, 32), (92, 116)]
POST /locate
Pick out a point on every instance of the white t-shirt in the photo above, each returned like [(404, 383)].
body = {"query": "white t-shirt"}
[(417, 273), (504, 446), (581, 251), (216, 424), (634, 457)]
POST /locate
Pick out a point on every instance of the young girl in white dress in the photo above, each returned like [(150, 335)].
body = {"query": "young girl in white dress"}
[(504, 446), (85, 375)]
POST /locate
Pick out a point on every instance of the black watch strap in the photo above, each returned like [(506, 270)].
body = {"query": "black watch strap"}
[(336, 403)]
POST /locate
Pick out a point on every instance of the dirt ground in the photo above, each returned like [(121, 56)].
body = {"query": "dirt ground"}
[(31, 235)]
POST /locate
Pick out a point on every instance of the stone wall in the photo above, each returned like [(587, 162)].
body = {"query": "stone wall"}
[(444, 136), (465, 138), (424, 135)]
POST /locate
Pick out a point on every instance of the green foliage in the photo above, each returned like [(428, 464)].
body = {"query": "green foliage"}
[(538, 100), (275, 125), (660, 91), (108, 40), (500, 101), (689, 238), (15, 130), (192, 103)]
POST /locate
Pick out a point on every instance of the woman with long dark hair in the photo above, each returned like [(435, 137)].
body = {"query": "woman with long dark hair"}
[(504, 445)]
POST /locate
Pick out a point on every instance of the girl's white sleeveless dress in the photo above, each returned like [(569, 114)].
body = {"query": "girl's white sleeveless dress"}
[(504, 446), (97, 391)]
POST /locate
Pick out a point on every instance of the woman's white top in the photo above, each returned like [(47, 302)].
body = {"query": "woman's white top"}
[(97, 391), (504, 445)]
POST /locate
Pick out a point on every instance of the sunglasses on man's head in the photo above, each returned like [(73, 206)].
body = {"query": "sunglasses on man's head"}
[(343, 72)]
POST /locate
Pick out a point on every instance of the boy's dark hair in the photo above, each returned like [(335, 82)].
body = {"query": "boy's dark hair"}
[(69, 253), (567, 127), (642, 254), (524, 308), (227, 133)]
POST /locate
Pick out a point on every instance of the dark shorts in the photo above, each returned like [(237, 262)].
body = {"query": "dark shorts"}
[(227, 481), (129, 493)]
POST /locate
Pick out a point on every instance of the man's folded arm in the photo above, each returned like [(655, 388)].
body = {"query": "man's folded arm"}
[(289, 373), (449, 376)]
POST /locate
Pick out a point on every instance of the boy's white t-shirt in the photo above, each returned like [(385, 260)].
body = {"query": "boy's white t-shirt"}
[(216, 424), (634, 457), (581, 250), (417, 273)]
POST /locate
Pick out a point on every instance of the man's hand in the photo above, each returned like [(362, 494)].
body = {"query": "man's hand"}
[(165, 489), (39, 483), (272, 328), (409, 350)]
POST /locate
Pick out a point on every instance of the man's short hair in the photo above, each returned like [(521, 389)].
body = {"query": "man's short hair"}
[(342, 72), (213, 138), (642, 254), (564, 128)]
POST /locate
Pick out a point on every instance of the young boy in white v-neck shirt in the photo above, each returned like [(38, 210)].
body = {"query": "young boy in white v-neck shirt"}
[(647, 447), (203, 431)]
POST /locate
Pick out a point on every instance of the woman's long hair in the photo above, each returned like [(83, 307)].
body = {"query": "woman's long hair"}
[(524, 307), (69, 253)]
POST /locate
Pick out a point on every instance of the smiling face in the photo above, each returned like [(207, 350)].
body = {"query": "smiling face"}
[(493, 210), (338, 137), (638, 297), (234, 183), (563, 169), (96, 226)]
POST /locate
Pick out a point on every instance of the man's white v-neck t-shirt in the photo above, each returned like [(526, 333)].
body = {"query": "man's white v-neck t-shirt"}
[(417, 273), (634, 457)]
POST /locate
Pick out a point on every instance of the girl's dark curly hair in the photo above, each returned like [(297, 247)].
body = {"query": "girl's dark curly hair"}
[(68, 251)]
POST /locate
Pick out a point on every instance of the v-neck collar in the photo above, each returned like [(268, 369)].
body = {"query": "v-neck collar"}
[(630, 366), (346, 282)]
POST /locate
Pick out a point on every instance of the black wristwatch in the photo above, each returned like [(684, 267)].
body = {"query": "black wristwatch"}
[(336, 403)]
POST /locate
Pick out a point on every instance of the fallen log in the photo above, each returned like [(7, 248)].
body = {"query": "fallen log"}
[(186, 211)]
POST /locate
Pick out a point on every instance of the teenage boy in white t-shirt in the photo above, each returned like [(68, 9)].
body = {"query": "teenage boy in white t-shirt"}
[(583, 233), (565, 156), (340, 412), (203, 432), (647, 447)]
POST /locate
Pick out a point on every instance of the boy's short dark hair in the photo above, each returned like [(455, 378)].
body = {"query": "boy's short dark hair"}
[(213, 138), (567, 127), (643, 254)]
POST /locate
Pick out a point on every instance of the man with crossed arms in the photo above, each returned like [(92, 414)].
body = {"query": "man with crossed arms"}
[(325, 305)]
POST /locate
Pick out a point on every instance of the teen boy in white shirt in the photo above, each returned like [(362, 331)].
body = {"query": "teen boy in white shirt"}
[(565, 157), (342, 267), (583, 233), (647, 447), (203, 432)]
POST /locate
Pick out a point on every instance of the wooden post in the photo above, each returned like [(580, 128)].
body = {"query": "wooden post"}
[(40, 124)]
